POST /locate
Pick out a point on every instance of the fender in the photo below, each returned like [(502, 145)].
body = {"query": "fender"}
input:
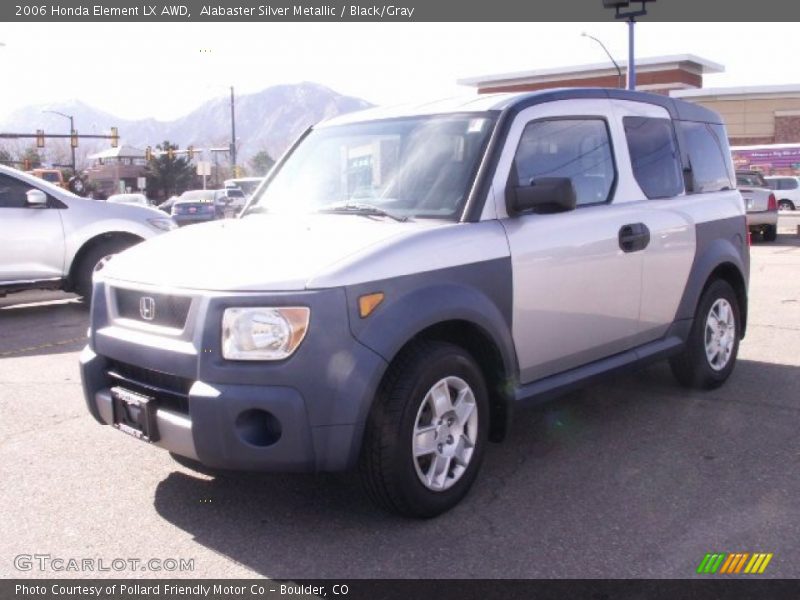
[(478, 293), (714, 248)]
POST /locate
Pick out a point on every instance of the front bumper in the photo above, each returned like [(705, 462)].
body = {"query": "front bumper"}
[(305, 413)]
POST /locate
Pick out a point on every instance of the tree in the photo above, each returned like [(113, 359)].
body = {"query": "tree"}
[(31, 157), (261, 163), (168, 175), (5, 157)]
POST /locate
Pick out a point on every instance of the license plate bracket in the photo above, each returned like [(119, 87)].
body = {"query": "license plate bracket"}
[(134, 414)]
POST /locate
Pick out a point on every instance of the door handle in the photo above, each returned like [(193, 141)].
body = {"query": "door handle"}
[(634, 237)]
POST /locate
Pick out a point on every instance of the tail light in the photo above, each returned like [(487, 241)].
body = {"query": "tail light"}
[(772, 204)]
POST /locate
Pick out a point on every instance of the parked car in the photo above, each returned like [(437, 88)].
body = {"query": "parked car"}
[(407, 278), (248, 185), (230, 203), (53, 239), (195, 206), (787, 190), (53, 176), (139, 199), (762, 209)]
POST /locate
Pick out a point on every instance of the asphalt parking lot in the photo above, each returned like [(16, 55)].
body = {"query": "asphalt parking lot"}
[(635, 477)]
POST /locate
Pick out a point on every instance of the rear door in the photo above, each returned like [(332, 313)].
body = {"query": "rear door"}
[(32, 238)]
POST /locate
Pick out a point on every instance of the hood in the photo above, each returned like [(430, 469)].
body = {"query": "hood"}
[(257, 253)]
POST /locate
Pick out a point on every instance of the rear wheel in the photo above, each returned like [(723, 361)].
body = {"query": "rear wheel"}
[(770, 233), (425, 437), (93, 260), (710, 353), (786, 205)]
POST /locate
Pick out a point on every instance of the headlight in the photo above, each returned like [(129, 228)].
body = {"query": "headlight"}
[(263, 333), (162, 224)]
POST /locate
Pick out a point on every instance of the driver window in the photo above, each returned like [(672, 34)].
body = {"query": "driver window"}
[(578, 149), (12, 192)]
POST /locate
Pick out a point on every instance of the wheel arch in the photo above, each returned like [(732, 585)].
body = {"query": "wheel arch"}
[(720, 259), (484, 350), (92, 243), (732, 275), (455, 313)]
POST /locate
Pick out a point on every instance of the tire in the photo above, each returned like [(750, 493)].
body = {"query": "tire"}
[(770, 233), (91, 260), (786, 205), (427, 484), (696, 367)]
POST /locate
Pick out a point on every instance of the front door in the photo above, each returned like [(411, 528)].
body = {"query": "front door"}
[(32, 238), (577, 285)]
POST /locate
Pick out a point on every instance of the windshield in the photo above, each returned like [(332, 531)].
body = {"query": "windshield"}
[(754, 179), (197, 196), (420, 167), (248, 186), (129, 198), (51, 176)]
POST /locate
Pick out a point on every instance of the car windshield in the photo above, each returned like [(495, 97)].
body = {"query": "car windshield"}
[(128, 198), (197, 196), (420, 167), (754, 179), (51, 176)]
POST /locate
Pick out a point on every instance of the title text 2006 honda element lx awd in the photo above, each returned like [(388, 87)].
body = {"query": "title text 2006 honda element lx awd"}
[(406, 278)]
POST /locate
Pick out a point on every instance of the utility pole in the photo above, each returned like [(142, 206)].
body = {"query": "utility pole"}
[(233, 135), (630, 16), (72, 132)]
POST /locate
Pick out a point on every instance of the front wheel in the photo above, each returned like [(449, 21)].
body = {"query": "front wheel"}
[(713, 344), (425, 437), (785, 205)]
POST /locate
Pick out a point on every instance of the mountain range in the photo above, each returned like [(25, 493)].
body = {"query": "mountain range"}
[(267, 120)]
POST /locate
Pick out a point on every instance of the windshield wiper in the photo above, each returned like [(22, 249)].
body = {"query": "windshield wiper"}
[(358, 208)]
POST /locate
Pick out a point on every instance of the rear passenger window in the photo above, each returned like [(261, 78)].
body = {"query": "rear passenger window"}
[(579, 149), (654, 156), (789, 184), (709, 156)]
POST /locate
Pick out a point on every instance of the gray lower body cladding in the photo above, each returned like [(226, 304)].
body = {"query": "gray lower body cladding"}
[(206, 405), (317, 400)]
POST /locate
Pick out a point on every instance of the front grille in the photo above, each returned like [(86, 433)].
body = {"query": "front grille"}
[(170, 391), (148, 307)]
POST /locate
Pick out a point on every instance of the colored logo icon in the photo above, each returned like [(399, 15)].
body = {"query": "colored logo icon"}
[(735, 563)]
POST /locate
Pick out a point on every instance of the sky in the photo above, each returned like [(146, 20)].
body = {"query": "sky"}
[(165, 70)]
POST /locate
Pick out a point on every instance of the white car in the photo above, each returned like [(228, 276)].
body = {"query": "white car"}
[(139, 199), (787, 190), (53, 239)]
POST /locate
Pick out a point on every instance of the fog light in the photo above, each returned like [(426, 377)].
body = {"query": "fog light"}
[(258, 427)]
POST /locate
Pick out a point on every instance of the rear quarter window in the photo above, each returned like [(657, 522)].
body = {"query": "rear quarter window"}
[(654, 156), (709, 156)]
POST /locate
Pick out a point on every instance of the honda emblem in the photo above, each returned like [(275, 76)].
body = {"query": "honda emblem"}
[(147, 308)]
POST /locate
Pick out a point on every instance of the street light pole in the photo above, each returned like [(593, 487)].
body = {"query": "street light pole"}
[(603, 46), (71, 131), (233, 134), (631, 55), (631, 18)]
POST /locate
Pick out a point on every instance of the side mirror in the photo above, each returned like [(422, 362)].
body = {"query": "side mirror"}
[(36, 198), (543, 195)]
